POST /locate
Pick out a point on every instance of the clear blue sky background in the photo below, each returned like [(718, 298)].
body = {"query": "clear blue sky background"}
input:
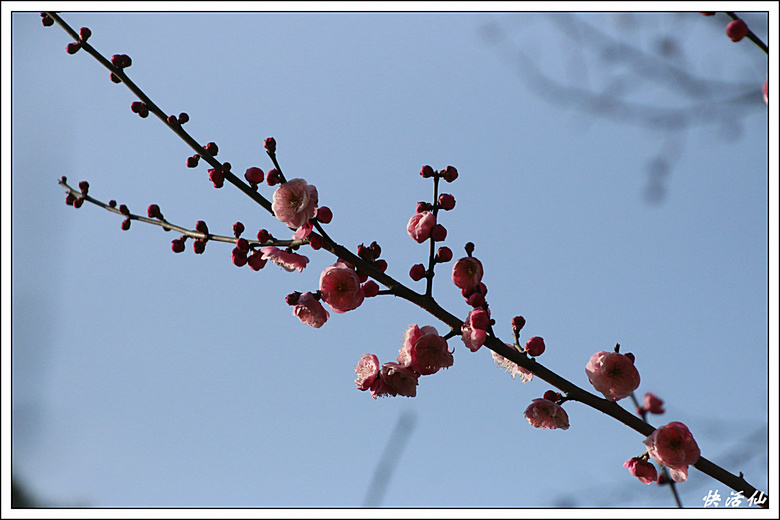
[(145, 378)]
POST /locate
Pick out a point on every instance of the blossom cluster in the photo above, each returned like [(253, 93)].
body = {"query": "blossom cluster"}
[(424, 352)]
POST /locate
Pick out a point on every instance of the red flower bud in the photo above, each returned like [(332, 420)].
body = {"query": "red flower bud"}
[(444, 254), (201, 227), (216, 177), (144, 112), (212, 149), (450, 174), (381, 265), (270, 145), (552, 395), (324, 214), (376, 249), (272, 177), (136, 106), (73, 47), (238, 257), (476, 299), (153, 211), (78, 202), (177, 245), (124, 210), (292, 298), (365, 253), (315, 241), (426, 171), (238, 228), (172, 120), (115, 78), (192, 162), (423, 206), (370, 289), (84, 34), (199, 246), (256, 261), (126, 224), (518, 322), (84, 187), (736, 30), (439, 233), (263, 235), (417, 272), (254, 176), (535, 346), (112, 203), (70, 199), (47, 20), (446, 201), (183, 118), (242, 244), (469, 248)]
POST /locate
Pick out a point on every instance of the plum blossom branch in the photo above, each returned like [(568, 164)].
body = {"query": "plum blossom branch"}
[(74, 195), (749, 34), (375, 270)]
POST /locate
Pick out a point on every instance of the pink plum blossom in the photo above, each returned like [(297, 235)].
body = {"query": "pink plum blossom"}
[(642, 469), (395, 380), (613, 374), (295, 202), (467, 273), (288, 261), (512, 367), (674, 447), (310, 311), (473, 330), (367, 371), (340, 288), (543, 413), (420, 226), (424, 351)]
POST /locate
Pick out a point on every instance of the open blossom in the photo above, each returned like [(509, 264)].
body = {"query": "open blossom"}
[(473, 330), (512, 367), (642, 469), (367, 371), (467, 273), (394, 380), (424, 351), (613, 374), (420, 226), (543, 413), (288, 261), (310, 311), (295, 202), (674, 447), (340, 288)]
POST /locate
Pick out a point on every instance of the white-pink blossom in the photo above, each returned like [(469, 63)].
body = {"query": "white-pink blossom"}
[(288, 261), (310, 311), (673, 446), (420, 226), (545, 414), (340, 288), (613, 374), (295, 202), (367, 371)]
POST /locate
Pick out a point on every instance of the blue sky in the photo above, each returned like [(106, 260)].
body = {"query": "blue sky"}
[(142, 378)]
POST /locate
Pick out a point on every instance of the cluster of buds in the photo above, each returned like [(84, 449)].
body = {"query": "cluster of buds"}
[(371, 255), (178, 121), (120, 61), (140, 108), (73, 47), (217, 175)]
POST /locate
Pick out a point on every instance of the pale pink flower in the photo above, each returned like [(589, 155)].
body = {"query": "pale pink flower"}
[(340, 288), (674, 447), (367, 371), (310, 311), (467, 273), (613, 374), (295, 202), (400, 380), (288, 261), (303, 231), (473, 330), (512, 367), (642, 469), (653, 404), (424, 351), (420, 226), (543, 413)]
